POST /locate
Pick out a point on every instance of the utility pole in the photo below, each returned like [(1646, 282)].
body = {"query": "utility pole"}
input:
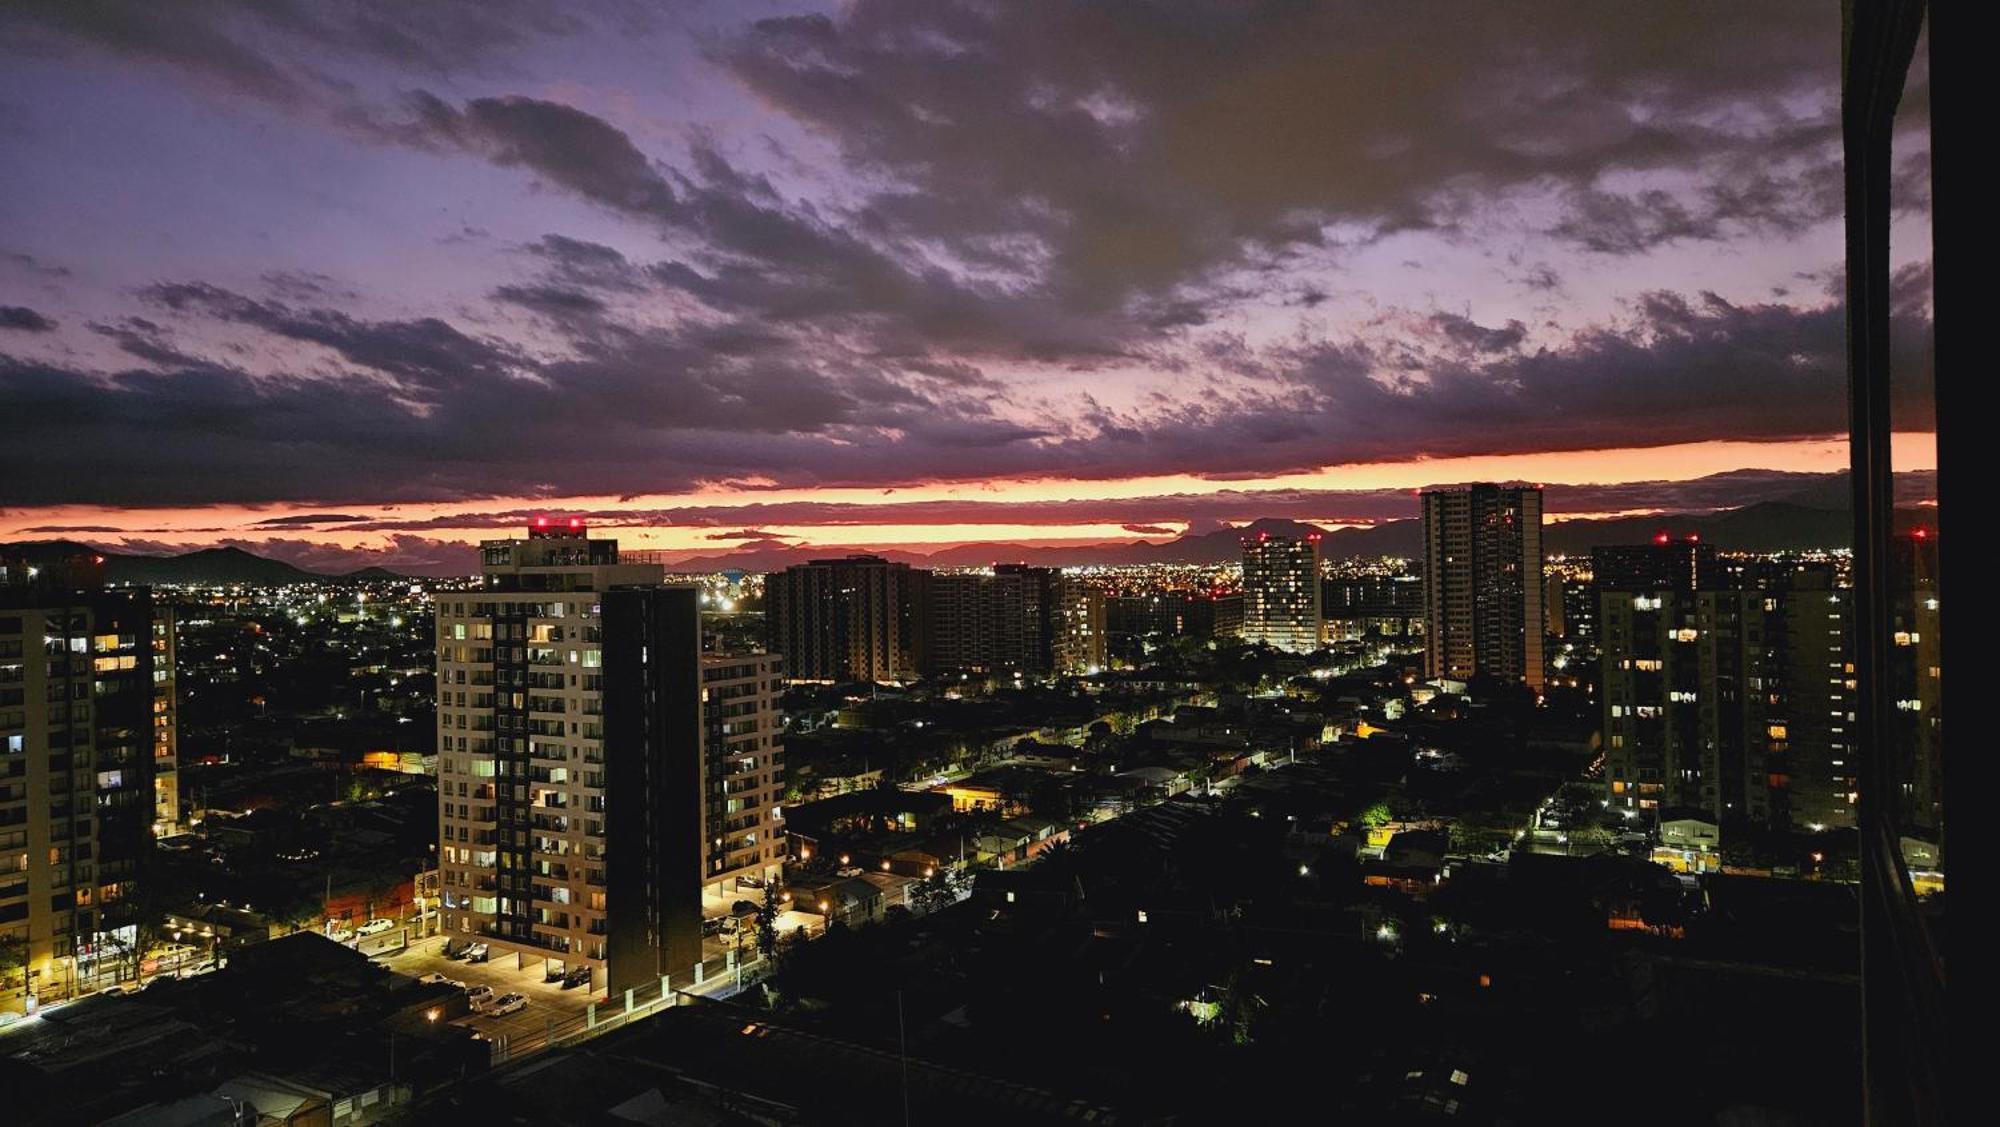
[(903, 1054)]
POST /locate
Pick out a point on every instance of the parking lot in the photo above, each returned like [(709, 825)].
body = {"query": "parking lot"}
[(548, 1002)]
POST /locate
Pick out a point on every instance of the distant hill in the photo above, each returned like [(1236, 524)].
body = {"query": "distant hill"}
[(208, 565), (1772, 526)]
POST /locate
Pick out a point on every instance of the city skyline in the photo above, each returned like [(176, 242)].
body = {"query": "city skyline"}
[(909, 276)]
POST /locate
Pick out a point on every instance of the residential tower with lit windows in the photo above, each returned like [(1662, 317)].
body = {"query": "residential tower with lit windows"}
[(599, 778), (1483, 586), (1728, 691), (1281, 591), (83, 672)]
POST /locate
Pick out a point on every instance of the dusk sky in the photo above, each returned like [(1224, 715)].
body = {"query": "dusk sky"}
[(354, 283)]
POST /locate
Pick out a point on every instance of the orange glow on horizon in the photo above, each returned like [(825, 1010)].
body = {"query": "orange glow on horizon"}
[(205, 525)]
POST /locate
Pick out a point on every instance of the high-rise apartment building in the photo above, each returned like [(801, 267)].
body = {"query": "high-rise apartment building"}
[(1281, 591), (1175, 614), (1081, 628), (695, 765), (743, 774), (521, 745), (1666, 564), (1570, 607), (1918, 679), (82, 675), (1005, 619), (1372, 606), (167, 819), (1483, 586), (1808, 685), (853, 619), (1681, 664), (595, 771), (1726, 692)]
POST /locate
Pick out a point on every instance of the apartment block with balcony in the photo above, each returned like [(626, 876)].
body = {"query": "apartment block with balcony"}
[(600, 778), (743, 774), (79, 677), (521, 745)]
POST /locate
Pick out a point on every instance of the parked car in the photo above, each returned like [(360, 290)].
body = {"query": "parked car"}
[(478, 996), (506, 1004), (375, 927), (121, 988), (578, 977), (476, 953), (341, 935), (439, 978)]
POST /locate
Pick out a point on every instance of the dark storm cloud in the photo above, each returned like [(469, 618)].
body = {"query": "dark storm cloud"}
[(757, 256), (22, 319), (555, 301), (203, 40), (310, 519), (144, 339), (569, 147), (1061, 188), (306, 285), (428, 412), (425, 356), (227, 434), (33, 265), (278, 52), (1470, 335), (1137, 145), (1201, 511), (580, 262), (1677, 369), (749, 534)]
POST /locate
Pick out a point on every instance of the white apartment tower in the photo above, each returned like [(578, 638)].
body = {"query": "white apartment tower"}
[(529, 803)]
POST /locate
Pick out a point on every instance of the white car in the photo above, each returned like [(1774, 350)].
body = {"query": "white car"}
[(341, 935), (439, 978), (506, 1004), (375, 927), (479, 996)]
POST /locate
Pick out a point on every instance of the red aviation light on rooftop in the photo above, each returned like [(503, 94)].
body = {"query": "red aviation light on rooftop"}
[(1662, 538), (576, 523), (541, 522), (1694, 537), (1921, 533)]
